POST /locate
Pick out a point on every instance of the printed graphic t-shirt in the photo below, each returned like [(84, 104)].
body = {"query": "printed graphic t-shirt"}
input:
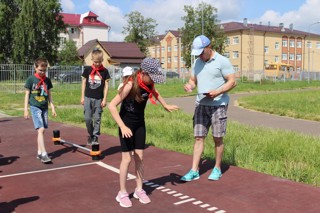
[(94, 89), (38, 97)]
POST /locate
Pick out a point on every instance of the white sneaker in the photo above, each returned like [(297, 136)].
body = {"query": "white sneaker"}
[(45, 159)]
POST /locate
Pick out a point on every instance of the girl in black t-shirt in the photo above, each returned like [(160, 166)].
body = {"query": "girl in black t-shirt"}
[(133, 97)]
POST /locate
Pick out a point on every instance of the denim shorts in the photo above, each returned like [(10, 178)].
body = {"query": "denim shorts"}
[(39, 117), (206, 116)]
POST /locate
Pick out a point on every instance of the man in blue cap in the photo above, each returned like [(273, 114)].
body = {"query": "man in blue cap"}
[(214, 76)]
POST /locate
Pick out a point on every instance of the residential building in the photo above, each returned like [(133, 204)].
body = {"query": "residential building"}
[(83, 28), (117, 54), (167, 48), (250, 47)]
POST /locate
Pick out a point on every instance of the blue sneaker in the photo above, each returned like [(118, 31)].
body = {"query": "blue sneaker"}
[(215, 174), (191, 175)]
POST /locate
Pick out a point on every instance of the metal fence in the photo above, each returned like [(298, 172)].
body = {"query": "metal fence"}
[(290, 76), (13, 76)]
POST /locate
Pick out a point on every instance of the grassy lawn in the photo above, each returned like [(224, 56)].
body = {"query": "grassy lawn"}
[(284, 154)]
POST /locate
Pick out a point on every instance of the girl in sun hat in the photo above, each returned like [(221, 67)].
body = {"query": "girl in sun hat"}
[(133, 97)]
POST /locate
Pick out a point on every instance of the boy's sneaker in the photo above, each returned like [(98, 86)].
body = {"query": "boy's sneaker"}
[(215, 174), (89, 142), (191, 175), (39, 156), (45, 159), (94, 140), (123, 199), (142, 196)]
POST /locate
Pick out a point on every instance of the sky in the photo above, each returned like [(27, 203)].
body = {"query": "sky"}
[(303, 14)]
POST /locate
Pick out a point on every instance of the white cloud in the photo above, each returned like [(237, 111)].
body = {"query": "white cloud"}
[(110, 15), (67, 5), (168, 13), (301, 18)]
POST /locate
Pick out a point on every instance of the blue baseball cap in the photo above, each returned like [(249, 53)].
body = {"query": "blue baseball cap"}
[(198, 44)]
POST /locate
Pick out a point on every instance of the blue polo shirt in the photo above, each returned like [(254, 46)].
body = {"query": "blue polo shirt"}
[(210, 76)]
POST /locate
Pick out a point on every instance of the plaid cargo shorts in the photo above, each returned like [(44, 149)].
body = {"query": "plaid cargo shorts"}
[(206, 116)]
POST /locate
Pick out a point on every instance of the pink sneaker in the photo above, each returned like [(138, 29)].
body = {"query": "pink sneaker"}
[(142, 196), (123, 199)]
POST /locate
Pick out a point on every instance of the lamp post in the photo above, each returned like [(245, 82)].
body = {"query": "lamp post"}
[(309, 46)]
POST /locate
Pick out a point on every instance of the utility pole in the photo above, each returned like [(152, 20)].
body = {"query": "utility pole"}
[(202, 21)]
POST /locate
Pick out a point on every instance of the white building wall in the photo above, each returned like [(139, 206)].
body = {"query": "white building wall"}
[(90, 33)]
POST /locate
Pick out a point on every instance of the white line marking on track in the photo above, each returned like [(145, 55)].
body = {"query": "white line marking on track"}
[(184, 197), (150, 183), (205, 205), (47, 170), (184, 201), (197, 202), (104, 165), (160, 187), (212, 208)]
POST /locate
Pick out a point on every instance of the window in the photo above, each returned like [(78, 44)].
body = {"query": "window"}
[(309, 44), (163, 60), (236, 68), (265, 62), (176, 59), (92, 20), (162, 48), (169, 48), (284, 57), (276, 59), (153, 49), (235, 40), (318, 45), (158, 50), (291, 43), (227, 54), (266, 49), (299, 44), (299, 57), (298, 69), (181, 60), (291, 57), (276, 45), (227, 41), (235, 54), (63, 41), (284, 43), (176, 48), (169, 60)]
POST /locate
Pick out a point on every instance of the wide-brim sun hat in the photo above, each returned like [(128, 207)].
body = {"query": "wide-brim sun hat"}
[(152, 66), (198, 44)]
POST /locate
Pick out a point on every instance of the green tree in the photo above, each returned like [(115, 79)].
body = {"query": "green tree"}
[(201, 20), (36, 31), (9, 10), (69, 54), (139, 30)]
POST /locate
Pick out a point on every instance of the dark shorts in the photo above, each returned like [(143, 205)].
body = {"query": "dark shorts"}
[(137, 141), (206, 116)]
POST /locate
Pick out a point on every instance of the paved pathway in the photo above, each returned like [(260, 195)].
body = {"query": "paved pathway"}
[(254, 118)]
